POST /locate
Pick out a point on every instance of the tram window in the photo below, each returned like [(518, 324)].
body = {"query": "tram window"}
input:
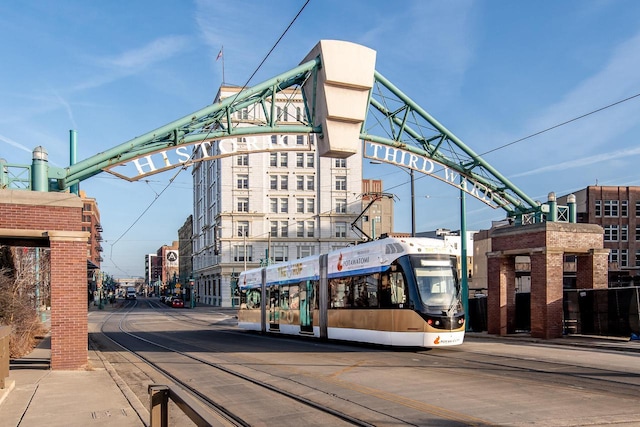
[(294, 297), (284, 298), (341, 294), (398, 288), (252, 298), (365, 291)]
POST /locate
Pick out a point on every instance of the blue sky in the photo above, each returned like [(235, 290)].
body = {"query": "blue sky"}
[(492, 72)]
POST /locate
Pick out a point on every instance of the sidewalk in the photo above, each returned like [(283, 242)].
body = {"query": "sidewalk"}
[(37, 396)]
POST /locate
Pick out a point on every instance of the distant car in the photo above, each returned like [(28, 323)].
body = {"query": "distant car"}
[(177, 303)]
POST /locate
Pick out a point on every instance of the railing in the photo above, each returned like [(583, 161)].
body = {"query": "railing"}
[(159, 396), (5, 332)]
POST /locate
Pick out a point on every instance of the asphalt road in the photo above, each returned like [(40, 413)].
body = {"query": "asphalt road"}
[(482, 382)]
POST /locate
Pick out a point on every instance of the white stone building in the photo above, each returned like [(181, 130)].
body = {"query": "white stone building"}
[(277, 205)]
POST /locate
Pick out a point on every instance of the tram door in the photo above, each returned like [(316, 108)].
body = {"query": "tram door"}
[(274, 308), (306, 306)]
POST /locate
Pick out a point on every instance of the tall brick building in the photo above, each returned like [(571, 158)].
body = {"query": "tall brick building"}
[(617, 210)]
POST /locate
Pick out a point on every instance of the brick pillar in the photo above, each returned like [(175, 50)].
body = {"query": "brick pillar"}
[(546, 294), (69, 330), (501, 294), (592, 269)]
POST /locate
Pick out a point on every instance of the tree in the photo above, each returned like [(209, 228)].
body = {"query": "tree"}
[(24, 289)]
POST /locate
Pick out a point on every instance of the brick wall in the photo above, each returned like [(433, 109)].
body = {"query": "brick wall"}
[(68, 303), (55, 220)]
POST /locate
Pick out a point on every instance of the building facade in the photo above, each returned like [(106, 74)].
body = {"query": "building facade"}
[(91, 224), (617, 210), (377, 209), (185, 246), (250, 210)]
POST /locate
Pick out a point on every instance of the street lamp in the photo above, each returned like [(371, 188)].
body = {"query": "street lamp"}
[(413, 196)]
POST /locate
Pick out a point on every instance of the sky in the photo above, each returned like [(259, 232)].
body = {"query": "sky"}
[(549, 90)]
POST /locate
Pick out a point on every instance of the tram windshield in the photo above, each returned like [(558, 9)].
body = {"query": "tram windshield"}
[(436, 283)]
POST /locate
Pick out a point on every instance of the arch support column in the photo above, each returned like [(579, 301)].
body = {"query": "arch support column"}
[(592, 269), (546, 294), (69, 308), (501, 299)]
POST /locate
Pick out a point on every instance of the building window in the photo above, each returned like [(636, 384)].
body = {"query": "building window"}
[(242, 253), (311, 226), (624, 233), (311, 206), (300, 182), (611, 208), (611, 233), (613, 256), (298, 114), (299, 140), (341, 229), (299, 160), (624, 258), (274, 228), (243, 182), (305, 251), (280, 253), (341, 183), (638, 208), (637, 258), (285, 116), (273, 203), (243, 114), (278, 113), (242, 160), (273, 159), (284, 205), (284, 229), (243, 228), (284, 182), (637, 233), (624, 208), (310, 160), (274, 139), (243, 204), (310, 183), (300, 229), (273, 182), (300, 205), (341, 205), (284, 160), (598, 210), (341, 163)]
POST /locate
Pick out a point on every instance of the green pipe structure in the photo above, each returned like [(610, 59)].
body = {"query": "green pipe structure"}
[(399, 122)]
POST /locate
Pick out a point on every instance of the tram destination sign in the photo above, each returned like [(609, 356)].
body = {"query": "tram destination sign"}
[(403, 158)]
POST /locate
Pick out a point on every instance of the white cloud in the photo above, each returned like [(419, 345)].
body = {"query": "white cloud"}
[(585, 161), (15, 144), (134, 61)]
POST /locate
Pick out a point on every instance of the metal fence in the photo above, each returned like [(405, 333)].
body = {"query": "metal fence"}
[(613, 312), (607, 312)]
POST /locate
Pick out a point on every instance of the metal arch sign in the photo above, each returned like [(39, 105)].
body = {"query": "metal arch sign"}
[(188, 154), (399, 157)]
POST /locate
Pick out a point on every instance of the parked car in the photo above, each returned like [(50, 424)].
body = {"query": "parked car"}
[(177, 303)]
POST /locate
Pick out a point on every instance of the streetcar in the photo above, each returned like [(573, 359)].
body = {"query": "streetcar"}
[(392, 291)]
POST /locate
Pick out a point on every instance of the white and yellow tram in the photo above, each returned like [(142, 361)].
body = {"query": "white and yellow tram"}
[(393, 291)]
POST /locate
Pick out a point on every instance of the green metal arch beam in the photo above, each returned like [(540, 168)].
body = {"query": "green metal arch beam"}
[(208, 123), (392, 119)]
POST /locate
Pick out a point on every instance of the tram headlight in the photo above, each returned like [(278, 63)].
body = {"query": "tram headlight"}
[(429, 322)]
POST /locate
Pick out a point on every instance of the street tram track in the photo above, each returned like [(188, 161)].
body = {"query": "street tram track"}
[(210, 403), (529, 370)]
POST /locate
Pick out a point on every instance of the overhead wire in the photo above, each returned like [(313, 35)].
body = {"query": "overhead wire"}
[(205, 137)]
